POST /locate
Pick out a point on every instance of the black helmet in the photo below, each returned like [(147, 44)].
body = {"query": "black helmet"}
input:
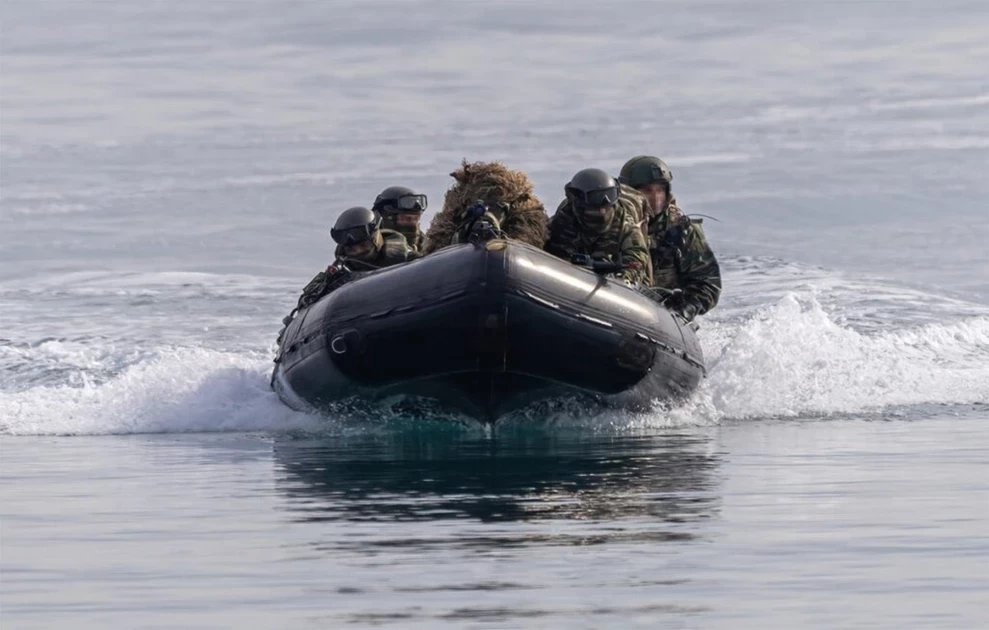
[(646, 169), (399, 199), (355, 225), (592, 187)]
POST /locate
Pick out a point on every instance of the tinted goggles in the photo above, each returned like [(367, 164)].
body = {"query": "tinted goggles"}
[(405, 203), (354, 235), (595, 198)]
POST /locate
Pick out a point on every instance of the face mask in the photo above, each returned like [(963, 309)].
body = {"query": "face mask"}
[(596, 219)]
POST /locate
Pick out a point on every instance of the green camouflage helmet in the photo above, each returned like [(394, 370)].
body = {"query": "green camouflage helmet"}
[(645, 169)]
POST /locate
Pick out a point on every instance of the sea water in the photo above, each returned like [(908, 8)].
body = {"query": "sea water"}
[(169, 175)]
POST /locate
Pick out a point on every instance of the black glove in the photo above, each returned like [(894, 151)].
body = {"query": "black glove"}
[(689, 311), (675, 300), (678, 302)]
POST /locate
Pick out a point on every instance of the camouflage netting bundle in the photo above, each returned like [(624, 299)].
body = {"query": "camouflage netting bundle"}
[(493, 183)]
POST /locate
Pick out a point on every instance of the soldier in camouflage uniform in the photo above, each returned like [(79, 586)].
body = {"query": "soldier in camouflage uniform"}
[(401, 210), (595, 221), (636, 207), (361, 246), (681, 258)]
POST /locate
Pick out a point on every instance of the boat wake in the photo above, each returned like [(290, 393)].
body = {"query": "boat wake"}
[(787, 359)]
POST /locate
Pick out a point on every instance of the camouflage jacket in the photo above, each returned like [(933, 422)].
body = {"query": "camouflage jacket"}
[(395, 251), (638, 208), (682, 259), (566, 237), (414, 235)]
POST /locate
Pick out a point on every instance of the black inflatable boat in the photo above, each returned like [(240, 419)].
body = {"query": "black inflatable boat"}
[(485, 329)]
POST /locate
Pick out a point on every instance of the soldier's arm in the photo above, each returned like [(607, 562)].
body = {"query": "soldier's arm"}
[(637, 209), (312, 291), (635, 255), (558, 226), (699, 272)]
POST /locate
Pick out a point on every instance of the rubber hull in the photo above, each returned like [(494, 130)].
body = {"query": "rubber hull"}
[(486, 329)]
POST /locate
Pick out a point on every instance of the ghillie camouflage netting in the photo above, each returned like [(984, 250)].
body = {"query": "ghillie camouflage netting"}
[(492, 183)]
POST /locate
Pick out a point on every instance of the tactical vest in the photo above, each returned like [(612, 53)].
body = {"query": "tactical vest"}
[(668, 233)]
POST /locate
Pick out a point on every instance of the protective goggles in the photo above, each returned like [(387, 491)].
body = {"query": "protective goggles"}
[(354, 235), (405, 203), (594, 198)]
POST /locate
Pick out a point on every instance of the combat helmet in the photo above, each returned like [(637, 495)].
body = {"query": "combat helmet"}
[(594, 195), (396, 199), (646, 169), (355, 225), (592, 187)]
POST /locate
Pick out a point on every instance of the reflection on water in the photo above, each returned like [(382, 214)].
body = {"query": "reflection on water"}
[(777, 524), (627, 489)]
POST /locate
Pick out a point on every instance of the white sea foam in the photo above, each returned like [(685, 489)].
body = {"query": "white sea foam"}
[(792, 358), (788, 359), (177, 391)]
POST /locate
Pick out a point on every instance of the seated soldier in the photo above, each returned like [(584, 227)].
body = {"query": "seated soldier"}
[(680, 256), (488, 194), (401, 210), (361, 246), (593, 222)]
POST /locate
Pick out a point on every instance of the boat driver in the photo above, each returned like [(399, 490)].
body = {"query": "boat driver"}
[(680, 256)]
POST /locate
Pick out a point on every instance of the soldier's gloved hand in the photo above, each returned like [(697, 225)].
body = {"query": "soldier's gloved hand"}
[(689, 311), (675, 300)]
